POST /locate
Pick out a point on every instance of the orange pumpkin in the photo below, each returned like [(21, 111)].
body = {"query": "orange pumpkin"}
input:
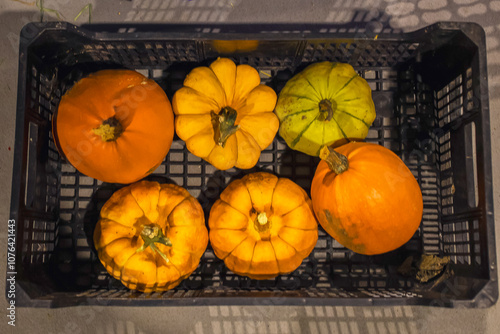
[(262, 226), (366, 198), (114, 126), (151, 236)]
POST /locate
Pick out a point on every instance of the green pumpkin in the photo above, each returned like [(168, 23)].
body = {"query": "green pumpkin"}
[(325, 104)]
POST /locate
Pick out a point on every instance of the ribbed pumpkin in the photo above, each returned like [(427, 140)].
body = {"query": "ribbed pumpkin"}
[(151, 236), (325, 104), (114, 125), (262, 226), (366, 198), (225, 115)]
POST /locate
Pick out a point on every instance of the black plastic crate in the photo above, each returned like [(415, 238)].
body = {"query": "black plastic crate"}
[(431, 97)]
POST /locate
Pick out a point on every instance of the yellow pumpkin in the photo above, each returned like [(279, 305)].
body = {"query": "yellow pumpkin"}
[(325, 104), (262, 226), (225, 115), (151, 236)]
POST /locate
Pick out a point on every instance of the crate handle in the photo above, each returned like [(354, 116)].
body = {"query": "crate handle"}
[(471, 164), (31, 165)]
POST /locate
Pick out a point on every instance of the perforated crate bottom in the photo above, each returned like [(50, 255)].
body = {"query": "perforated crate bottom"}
[(330, 266), (67, 248)]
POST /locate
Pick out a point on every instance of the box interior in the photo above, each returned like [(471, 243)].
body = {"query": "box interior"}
[(428, 112)]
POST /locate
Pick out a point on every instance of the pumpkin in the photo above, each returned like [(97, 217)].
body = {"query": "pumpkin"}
[(151, 236), (262, 226), (366, 198), (235, 46), (325, 104), (114, 125), (225, 115)]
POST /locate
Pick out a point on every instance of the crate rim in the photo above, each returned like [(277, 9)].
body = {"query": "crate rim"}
[(270, 31)]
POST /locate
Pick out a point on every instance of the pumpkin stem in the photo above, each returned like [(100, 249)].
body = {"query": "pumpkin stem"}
[(223, 124), (152, 234), (262, 218), (109, 130), (336, 161), (262, 225), (326, 108)]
